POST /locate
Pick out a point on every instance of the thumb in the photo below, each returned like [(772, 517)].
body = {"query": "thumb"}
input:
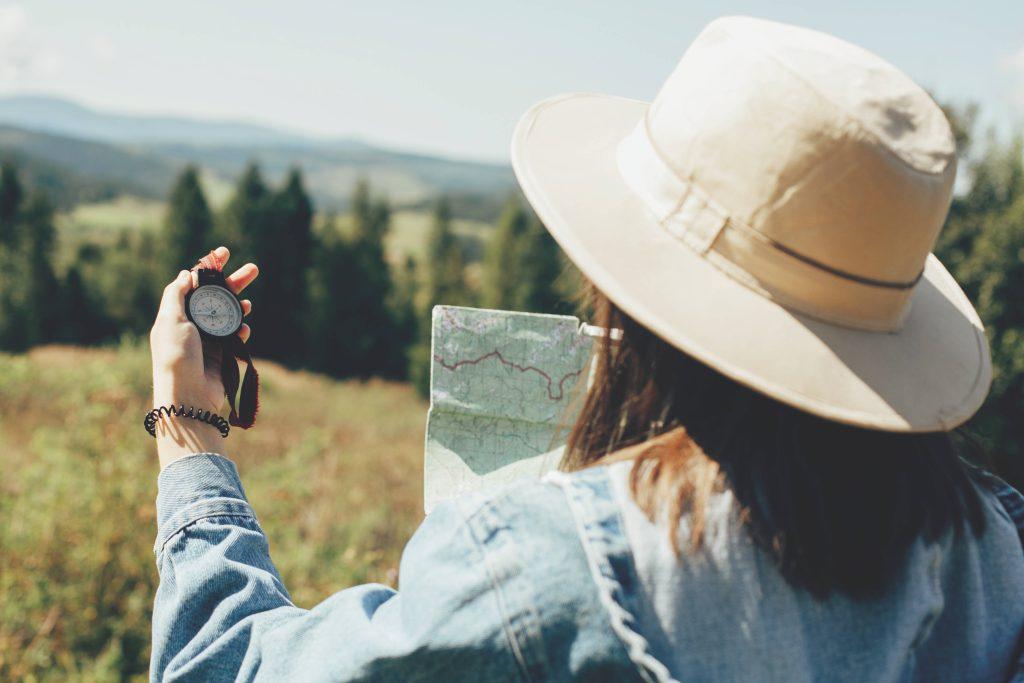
[(172, 304)]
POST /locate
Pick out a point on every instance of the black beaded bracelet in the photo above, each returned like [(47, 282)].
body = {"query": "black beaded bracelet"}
[(180, 411)]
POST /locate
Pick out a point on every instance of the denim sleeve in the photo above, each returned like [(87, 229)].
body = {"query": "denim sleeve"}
[(223, 613)]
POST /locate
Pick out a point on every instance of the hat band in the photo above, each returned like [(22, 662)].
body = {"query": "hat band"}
[(755, 260)]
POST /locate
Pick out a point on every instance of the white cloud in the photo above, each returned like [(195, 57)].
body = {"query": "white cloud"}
[(24, 56)]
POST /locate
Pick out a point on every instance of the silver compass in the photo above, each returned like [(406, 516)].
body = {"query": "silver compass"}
[(214, 310)]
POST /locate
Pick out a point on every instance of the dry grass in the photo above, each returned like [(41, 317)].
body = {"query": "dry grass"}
[(334, 470)]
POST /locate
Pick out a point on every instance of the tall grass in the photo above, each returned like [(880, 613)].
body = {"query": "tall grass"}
[(333, 470)]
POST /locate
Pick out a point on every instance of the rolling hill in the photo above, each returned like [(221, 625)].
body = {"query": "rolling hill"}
[(139, 155), (58, 115)]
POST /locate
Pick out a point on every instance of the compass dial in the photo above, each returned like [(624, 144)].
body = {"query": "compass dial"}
[(215, 310)]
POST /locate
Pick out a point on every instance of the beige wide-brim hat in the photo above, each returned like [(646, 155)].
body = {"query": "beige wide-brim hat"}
[(772, 214)]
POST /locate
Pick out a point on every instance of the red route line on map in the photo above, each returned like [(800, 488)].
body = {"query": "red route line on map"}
[(521, 368)]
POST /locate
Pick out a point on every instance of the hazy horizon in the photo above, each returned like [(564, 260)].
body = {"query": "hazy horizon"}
[(450, 79)]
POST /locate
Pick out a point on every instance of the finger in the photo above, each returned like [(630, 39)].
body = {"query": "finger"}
[(243, 332), (243, 277), (221, 254), (246, 307), (172, 304)]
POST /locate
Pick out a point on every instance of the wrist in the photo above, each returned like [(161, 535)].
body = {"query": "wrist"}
[(178, 437), (168, 394)]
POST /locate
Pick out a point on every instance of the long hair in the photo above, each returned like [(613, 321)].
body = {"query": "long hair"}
[(836, 507)]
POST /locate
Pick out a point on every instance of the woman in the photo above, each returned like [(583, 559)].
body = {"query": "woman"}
[(762, 483)]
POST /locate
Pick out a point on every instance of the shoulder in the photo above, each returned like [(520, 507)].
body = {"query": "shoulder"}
[(1000, 498), (535, 506), (528, 536), (544, 525)]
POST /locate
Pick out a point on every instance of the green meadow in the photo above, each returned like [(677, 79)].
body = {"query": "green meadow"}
[(337, 487)]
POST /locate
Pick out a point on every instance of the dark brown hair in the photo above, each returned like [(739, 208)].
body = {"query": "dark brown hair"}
[(836, 507)]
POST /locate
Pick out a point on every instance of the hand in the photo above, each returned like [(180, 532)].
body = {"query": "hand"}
[(183, 370)]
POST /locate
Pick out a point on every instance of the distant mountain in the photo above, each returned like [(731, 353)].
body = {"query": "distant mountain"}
[(74, 171), (140, 155), (57, 115), (331, 173)]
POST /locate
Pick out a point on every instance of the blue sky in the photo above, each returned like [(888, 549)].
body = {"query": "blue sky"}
[(452, 77)]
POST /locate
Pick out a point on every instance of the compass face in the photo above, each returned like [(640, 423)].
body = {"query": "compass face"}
[(215, 310)]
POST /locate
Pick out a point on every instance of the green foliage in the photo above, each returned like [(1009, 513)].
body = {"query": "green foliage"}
[(187, 234), (402, 307), (504, 257), (244, 219), (334, 344), (445, 283), (372, 216), (281, 242), (329, 477), (523, 265), (983, 246), (82, 313), (10, 201), (29, 290), (111, 291), (445, 280), (359, 319), (43, 286)]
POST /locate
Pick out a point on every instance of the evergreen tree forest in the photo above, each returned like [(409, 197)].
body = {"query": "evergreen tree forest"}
[(328, 299), (332, 299)]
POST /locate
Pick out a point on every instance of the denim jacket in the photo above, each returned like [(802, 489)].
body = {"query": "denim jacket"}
[(565, 579)]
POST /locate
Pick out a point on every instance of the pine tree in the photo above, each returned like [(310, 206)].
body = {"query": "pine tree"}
[(445, 266), (16, 332), (127, 283), (245, 217), (282, 249), (371, 293), (523, 265), (43, 314), (355, 318), (445, 284), (10, 201), (189, 224), (502, 258), (372, 217), (405, 325), (542, 268), (14, 285), (985, 255), (29, 290), (336, 343), (244, 226), (79, 315)]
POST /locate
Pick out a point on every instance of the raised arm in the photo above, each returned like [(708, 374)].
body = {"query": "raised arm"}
[(492, 589), (223, 613)]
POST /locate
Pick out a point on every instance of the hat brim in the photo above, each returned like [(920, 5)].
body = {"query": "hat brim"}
[(932, 375)]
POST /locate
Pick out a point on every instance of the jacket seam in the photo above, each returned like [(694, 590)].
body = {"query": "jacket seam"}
[(198, 511), (589, 526), (502, 600), (1012, 502)]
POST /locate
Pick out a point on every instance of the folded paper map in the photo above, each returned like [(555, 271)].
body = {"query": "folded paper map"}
[(502, 390)]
